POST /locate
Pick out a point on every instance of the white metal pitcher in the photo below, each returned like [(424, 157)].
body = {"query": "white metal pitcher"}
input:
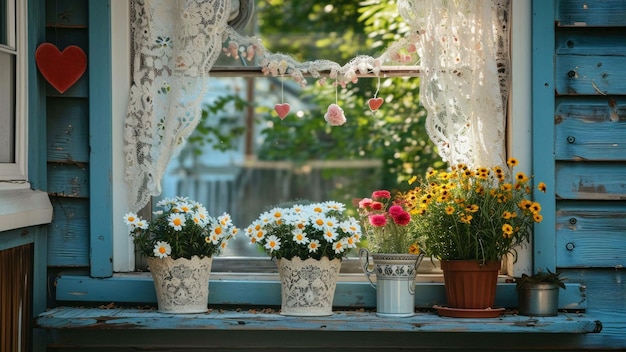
[(395, 281)]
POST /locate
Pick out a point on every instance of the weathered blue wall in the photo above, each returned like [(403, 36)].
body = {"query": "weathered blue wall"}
[(579, 123)]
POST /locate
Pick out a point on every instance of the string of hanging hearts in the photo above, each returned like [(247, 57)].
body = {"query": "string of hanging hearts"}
[(334, 114), (249, 49)]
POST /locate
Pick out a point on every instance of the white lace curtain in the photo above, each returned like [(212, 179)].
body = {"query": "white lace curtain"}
[(175, 44), (463, 47), (464, 51)]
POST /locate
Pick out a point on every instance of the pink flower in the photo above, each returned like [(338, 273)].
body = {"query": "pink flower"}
[(365, 203), (377, 205), (402, 218), (335, 115), (378, 220), (383, 194), (395, 210)]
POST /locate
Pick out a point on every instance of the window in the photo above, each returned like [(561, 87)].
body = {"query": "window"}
[(242, 159), (12, 96), (240, 87), (19, 205)]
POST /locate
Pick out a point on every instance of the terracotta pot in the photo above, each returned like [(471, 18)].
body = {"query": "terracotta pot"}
[(470, 285)]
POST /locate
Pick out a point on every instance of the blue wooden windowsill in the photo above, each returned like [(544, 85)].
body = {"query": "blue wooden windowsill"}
[(250, 320), (265, 291)]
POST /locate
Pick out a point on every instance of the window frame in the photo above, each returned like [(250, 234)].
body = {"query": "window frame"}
[(123, 254), (13, 175)]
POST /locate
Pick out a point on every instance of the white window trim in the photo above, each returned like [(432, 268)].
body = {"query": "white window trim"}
[(518, 125), (14, 175), (123, 249), (519, 120)]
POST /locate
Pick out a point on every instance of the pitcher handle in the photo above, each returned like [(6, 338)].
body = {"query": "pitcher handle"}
[(417, 263), (364, 257)]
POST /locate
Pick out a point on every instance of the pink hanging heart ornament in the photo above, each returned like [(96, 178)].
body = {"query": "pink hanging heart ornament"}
[(282, 110), (334, 115), (375, 103), (60, 68)]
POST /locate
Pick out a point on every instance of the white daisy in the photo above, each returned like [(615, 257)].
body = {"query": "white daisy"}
[(177, 221), (225, 220), (131, 219), (313, 246), (299, 237), (272, 243), (330, 234), (217, 232), (332, 205), (339, 246), (318, 222), (140, 224), (183, 207), (162, 249)]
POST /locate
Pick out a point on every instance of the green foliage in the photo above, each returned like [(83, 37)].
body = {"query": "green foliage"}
[(395, 134), (546, 277), (220, 136)]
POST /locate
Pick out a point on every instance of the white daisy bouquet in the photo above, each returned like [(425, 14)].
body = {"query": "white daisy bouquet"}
[(306, 231), (181, 230)]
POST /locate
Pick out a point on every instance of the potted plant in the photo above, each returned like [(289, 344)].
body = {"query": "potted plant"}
[(308, 241), (179, 244), (469, 219), (395, 253), (538, 294)]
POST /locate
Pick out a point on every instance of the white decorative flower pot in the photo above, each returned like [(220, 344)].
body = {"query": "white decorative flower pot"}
[(182, 285), (308, 286), (395, 281)]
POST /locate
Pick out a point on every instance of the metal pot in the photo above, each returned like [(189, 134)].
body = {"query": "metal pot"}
[(538, 299)]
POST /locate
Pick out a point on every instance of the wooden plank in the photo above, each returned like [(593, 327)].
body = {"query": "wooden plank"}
[(591, 181), (591, 41), (101, 137), (591, 234), (590, 128), (590, 75), (68, 130), (66, 13), (589, 13), (543, 128), (131, 340), (606, 297), (68, 180), (251, 320), (68, 235)]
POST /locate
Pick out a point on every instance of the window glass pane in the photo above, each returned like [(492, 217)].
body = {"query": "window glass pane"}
[(7, 108), (242, 159), (4, 21)]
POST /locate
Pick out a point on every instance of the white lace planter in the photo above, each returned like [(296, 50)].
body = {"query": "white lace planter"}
[(182, 285), (308, 286)]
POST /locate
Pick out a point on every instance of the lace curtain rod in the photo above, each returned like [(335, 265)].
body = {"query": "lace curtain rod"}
[(255, 71)]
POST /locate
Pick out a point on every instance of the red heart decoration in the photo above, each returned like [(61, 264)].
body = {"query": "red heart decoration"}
[(375, 103), (282, 110), (61, 69)]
